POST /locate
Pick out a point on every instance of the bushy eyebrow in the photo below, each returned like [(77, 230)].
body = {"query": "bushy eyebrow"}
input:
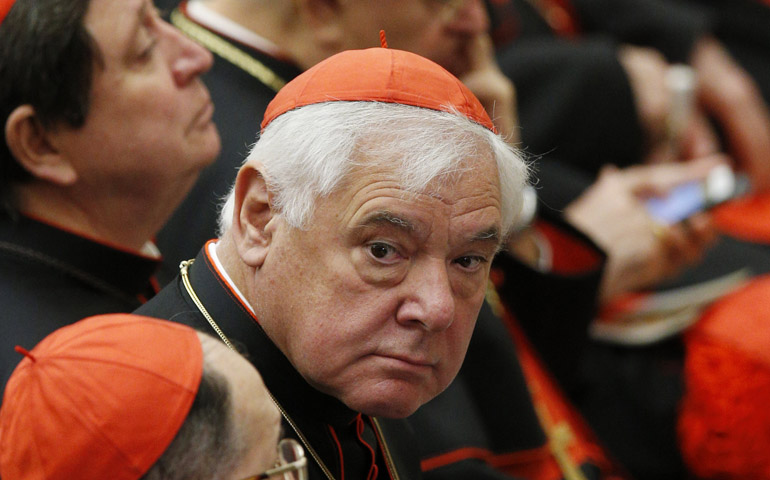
[(491, 234), (384, 217)]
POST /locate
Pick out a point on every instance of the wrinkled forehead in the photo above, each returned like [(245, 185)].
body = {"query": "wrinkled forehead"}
[(468, 180), (418, 167)]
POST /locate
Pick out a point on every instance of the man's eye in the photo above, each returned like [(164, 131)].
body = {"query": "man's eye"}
[(470, 262), (382, 251)]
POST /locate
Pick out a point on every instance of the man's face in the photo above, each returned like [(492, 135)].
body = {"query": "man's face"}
[(376, 301), (441, 30), (149, 121)]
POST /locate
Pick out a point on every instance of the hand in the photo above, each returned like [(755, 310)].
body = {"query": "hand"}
[(494, 90), (640, 252), (730, 95), (647, 70), (531, 248)]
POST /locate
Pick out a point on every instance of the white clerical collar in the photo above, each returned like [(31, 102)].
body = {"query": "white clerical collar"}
[(207, 17), (212, 251)]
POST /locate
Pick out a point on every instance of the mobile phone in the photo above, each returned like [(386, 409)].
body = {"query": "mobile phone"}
[(687, 199)]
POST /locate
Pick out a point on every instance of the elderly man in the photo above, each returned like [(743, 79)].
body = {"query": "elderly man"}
[(126, 397), (107, 126), (356, 252)]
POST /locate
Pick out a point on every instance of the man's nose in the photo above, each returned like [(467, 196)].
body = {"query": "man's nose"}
[(429, 301), (188, 59)]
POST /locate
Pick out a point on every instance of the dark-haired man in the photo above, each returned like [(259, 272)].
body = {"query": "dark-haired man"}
[(107, 126)]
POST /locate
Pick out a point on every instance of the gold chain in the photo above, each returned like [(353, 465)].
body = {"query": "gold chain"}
[(228, 51), (186, 281), (183, 267)]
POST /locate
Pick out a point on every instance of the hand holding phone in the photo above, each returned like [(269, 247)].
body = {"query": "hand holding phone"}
[(689, 198)]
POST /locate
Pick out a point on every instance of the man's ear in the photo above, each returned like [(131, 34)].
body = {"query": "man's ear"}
[(252, 215), (30, 144)]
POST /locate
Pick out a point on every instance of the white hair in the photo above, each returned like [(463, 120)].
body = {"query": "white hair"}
[(307, 152)]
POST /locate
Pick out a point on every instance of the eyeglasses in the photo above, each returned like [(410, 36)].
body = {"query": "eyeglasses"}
[(292, 464)]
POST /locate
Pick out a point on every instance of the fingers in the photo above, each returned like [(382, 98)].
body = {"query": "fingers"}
[(481, 53), (684, 243), (645, 258), (656, 180), (646, 70), (494, 90), (731, 96), (640, 252), (699, 139)]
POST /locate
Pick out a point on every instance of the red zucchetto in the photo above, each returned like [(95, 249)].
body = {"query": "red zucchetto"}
[(381, 75)]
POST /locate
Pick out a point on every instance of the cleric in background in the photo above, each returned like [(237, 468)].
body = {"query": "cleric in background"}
[(107, 126)]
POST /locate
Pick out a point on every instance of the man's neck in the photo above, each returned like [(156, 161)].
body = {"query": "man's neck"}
[(228, 259), (235, 26), (121, 224)]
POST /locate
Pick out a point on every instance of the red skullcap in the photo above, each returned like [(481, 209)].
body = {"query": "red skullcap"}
[(5, 7), (382, 75), (101, 398), (724, 422)]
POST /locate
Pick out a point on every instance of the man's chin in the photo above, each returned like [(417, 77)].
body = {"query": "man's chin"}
[(389, 404), (389, 410)]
